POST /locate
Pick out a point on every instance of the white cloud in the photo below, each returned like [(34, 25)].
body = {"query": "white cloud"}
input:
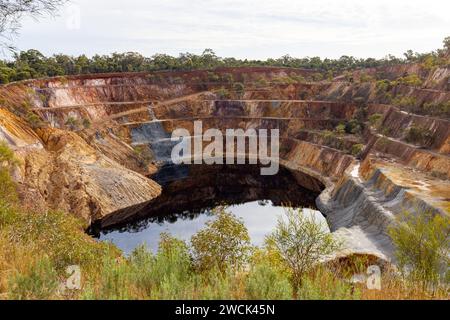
[(252, 28)]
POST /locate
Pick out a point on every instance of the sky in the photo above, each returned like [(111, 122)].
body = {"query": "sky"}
[(254, 29)]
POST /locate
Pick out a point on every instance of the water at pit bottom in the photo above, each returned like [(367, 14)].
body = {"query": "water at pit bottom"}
[(260, 218)]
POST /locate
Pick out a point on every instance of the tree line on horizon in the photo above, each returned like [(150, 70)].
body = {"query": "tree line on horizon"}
[(32, 64)]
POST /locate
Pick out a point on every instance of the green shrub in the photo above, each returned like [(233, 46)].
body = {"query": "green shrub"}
[(142, 261), (7, 157), (340, 129), (172, 268), (8, 193), (177, 80), (283, 80), (213, 77), (357, 149), (328, 136), (72, 123), (8, 189), (383, 85), (422, 244), (348, 76), (405, 102), (115, 282), (261, 83), (430, 62), (34, 120), (301, 242), (61, 236), (216, 285), (361, 113), (317, 76), (322, 284), (375, 119), (330, 139), (223, 93), (239, 88), (265, 282), (228, 78), (353, 127), (364, 77), (224, 242), (6, 74), (144, 154), (330, 75), (411, 80), (87, 123), (166, 275), (418, 135), (297, 78), (39, 283), (441, 109)]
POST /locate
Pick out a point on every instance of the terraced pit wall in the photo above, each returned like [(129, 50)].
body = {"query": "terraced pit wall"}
[(90, 144)]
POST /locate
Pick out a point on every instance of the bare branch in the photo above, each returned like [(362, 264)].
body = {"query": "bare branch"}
[(12, 11)]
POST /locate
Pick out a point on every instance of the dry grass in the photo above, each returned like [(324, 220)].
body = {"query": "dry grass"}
[(36, 248), (395, 288)]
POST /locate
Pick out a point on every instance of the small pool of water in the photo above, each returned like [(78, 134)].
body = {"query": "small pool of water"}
[(190, 194), (260, 218)]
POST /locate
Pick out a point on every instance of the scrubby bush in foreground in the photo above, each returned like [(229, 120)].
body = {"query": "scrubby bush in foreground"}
[(423, 247), (224, 242), (302, 242), (37, 247)]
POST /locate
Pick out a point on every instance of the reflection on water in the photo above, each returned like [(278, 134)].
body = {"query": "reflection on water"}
[(260, 217), (190, 193)]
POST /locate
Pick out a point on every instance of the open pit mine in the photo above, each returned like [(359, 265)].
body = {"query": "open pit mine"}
[(99, 146)]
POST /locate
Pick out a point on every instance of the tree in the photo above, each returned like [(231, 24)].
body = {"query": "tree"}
[(33, 61), (11, 12), (302, 242), (224, 242), (6, 74), (209, 59), (447, 43), (239, 88), (32, 64), (422, 244), (410, 56)]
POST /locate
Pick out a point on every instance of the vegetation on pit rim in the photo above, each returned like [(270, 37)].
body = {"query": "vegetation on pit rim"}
[(32, 64), (410, 104)]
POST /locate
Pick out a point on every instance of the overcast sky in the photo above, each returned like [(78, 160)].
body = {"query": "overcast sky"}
[(242, 28)]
